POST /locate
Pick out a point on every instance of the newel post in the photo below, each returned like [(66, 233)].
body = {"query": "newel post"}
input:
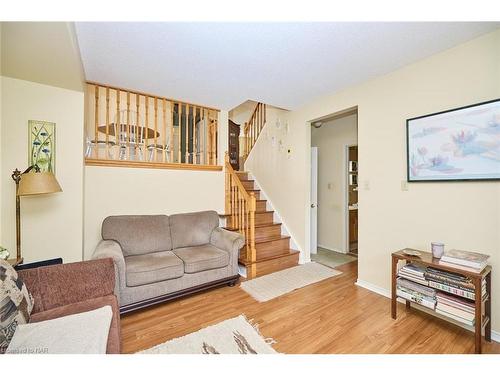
[(227, 186)]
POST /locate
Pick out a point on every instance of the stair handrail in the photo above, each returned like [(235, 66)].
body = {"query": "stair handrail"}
[(253, 127), (240, 206)]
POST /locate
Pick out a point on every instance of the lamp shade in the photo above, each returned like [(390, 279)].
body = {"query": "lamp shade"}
[(38, 183)]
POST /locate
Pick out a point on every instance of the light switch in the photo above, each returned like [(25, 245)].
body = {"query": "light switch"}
[(330, 186), (404, 185), (366, 185)]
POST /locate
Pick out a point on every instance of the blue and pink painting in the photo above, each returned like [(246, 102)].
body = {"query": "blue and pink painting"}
[(461, 144)]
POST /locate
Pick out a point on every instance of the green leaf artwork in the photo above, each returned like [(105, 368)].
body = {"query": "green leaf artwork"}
[(42, 146)]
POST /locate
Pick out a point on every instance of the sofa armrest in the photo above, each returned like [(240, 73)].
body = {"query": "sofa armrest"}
[(64, 284), (229, 241), (112, 249)]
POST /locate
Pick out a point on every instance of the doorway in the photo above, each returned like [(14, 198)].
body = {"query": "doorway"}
[(334, 189)]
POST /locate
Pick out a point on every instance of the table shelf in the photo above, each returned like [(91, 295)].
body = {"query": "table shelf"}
[(482, 318)]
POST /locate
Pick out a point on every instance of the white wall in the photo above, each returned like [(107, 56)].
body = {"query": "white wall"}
[(137, 191), (269, 153), (463, 215), (51, 225), (331, 140)]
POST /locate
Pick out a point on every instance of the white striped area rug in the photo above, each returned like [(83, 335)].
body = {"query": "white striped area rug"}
[(232, 336), (276, 284)]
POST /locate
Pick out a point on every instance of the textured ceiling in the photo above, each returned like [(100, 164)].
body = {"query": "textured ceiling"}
[(283, 64)]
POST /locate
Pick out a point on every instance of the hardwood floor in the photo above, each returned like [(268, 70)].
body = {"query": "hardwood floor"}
[(332, 316)]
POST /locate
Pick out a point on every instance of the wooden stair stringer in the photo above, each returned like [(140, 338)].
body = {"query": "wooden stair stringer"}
[(273, 251)]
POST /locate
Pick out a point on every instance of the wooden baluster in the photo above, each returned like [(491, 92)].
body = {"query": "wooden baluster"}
[(216, 140), (172, 133), (164, 150), (252, 227), (128, 124), (96, 121), (233, 205), (241, 215), (227, 184), (245, 222), (204, 141), (156, 129), (261, 117), (138, 137), (247, 234), (209, 138), (107, 122), (258, 119), (145, 128), (195, 143), (186, 157), (265, 114), (179, 156), (118, 125), (246, 140)]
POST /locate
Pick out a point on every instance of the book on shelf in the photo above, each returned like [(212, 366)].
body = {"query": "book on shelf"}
[(448, 275), (461, 267), (454, 290), (454, 317), (413, 296), (415, 269), (419, 288), (420, 280), (466, 284), (455, 311), (454, 301), (467, 259)]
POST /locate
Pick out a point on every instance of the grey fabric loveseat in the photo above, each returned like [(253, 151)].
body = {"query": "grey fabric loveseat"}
[(158, 257)]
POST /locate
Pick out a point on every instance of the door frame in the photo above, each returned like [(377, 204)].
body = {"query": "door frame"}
[(346, 195), (313, 249)]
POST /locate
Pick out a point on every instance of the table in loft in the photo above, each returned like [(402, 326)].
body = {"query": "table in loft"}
[(426, 259)]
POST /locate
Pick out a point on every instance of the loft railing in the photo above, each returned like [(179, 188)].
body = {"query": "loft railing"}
[(240, 208), (253, 128), (129, 128)]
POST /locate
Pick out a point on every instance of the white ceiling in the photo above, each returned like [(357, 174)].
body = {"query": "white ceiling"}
[(283, 64)]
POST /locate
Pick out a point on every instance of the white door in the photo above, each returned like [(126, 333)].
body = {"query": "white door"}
[(314, 200)]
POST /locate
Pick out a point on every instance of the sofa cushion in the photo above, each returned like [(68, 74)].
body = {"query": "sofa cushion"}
[(82, 333), (114, 338), (16, 303), (151, 268), (202, 258), (193, 229), (138, 234)]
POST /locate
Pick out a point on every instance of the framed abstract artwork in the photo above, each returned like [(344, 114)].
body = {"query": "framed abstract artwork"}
[(42, 145), (461, 144)]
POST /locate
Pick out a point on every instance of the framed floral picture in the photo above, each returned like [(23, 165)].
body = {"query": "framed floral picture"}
[(42, 145), (461, 144)]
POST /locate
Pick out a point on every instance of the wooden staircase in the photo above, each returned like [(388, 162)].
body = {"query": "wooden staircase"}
[(272, 249)]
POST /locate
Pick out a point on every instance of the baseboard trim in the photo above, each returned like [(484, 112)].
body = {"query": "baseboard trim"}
[(495, 336)]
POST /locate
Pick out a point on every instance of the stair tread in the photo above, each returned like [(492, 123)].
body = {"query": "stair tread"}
[(257, 212), (270, 239), (266, 225), (256, 226), (291, 252)]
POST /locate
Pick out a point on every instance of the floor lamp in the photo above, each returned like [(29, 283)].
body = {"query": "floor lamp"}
[(31, 182)]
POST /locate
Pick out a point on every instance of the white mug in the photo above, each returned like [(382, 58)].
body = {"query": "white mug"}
[(437, 249)]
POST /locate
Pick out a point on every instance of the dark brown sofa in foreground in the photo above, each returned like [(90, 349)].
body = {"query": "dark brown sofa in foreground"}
[(73, 288)]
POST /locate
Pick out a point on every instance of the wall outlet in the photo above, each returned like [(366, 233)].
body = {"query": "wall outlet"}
[(404, 185)]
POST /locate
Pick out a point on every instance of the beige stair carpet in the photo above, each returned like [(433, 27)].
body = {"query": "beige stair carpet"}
[(276, 284), (232, 336)]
